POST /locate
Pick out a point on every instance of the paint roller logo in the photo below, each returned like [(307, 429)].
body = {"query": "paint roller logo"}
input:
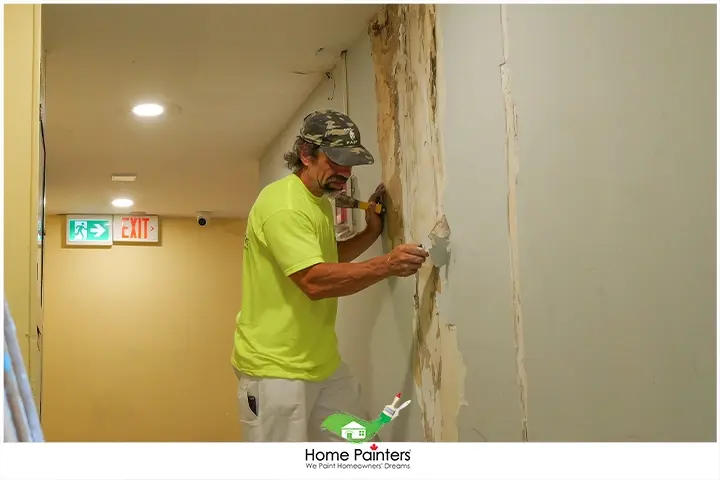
[(357, 430)]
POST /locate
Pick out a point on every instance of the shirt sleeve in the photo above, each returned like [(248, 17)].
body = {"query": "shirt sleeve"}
[(291, 238)]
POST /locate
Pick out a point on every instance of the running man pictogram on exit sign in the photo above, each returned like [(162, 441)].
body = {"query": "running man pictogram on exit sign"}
[(89, 230)]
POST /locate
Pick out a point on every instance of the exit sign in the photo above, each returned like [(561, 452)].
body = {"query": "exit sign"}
[(88, 230), (136, 228)]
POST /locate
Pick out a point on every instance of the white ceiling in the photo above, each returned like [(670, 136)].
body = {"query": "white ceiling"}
[(227, 75)]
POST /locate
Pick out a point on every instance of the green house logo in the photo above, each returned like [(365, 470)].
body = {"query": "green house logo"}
[(353, 431), (357, 430)]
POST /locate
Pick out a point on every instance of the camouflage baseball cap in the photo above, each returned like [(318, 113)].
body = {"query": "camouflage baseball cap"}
[(337, 136)]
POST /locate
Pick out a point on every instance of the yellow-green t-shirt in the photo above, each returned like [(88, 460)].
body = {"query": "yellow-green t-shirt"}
[(281, 332)]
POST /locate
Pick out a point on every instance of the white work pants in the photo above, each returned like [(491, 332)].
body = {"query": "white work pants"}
[(293, 410)]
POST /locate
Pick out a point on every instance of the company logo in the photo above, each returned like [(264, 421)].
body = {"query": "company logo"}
[(357, 430)]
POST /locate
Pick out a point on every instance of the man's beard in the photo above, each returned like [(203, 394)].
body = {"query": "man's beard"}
[(329, 188)]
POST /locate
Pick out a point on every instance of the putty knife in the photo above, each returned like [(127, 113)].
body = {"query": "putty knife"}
[(437, 243)]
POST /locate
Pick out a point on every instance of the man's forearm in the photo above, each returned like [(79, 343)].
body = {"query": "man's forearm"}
[(350, 249), (329, 280)]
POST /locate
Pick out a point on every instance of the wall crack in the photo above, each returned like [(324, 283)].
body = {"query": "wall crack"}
[(513, 167)]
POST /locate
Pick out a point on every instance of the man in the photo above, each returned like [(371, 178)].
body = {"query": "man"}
[(291, 376)]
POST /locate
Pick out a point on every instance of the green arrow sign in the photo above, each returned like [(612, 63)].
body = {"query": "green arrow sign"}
[(89, 230)]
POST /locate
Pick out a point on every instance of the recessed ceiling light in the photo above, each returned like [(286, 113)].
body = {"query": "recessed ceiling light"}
[(122, 203), (148, 110)]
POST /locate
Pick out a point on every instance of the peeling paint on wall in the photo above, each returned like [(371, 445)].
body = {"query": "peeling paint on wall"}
[(406, 78), (511, 151), (385, 46)]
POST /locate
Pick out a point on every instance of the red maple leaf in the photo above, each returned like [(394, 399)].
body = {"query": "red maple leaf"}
[(373, 447)]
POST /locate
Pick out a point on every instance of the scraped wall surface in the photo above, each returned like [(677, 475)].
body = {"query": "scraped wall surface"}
[(404, 51)]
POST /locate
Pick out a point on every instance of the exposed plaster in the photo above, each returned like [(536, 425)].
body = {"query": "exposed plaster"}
[(385, 45), (511, 151), (406, 74)]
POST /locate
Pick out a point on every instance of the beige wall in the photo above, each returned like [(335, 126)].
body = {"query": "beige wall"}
[(22, 100), (616, 224), (138, 338)]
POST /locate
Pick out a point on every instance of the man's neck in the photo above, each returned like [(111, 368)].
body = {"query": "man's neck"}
[(310, 184)]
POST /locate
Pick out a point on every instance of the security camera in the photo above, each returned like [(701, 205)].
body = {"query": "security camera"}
[(203, 218)]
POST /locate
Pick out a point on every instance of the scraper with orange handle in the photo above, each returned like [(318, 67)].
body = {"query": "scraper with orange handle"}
[(343, 201)]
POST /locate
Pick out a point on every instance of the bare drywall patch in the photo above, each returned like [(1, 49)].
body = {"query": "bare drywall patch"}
[(406, 78), (385, 46), (511, 151)]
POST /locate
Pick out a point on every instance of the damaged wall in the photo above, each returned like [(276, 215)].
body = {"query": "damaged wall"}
[(479, 297), (406, 73), (607, 115), (597, 123)]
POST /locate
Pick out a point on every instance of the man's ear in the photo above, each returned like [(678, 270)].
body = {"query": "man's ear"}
[(305, 156)]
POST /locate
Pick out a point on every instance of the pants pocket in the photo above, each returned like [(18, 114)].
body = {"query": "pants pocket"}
[(272, 409), (250, 413)]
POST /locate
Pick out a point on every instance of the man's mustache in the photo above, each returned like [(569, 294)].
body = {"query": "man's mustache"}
[(338, 178)]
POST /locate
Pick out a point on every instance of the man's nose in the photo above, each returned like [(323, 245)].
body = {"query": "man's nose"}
[(342, 170)]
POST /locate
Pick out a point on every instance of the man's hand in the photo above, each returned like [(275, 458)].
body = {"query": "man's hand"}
[(374, 220), (406, 260), (332, 280)]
